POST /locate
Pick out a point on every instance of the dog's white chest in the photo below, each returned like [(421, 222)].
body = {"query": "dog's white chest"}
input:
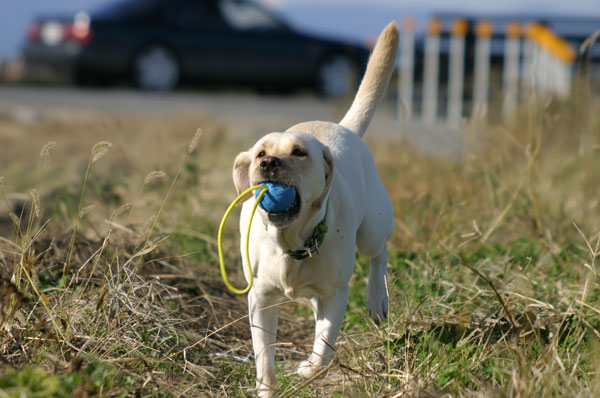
[(306, 279), (296, 281)]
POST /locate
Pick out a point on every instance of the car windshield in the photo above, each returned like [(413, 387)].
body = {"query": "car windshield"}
[(245, 16), (125, 8)]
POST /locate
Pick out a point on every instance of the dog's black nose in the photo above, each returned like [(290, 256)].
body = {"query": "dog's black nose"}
[(270, 163)]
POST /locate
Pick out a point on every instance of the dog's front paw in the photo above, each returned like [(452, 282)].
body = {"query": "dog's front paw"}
[(264, 391), (267, 394), (308, 370), (377, 302)]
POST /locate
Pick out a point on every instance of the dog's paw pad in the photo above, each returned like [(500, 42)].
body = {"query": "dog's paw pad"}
[(308, 370)]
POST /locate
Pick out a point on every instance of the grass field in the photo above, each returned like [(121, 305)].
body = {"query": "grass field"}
[(109, 281)]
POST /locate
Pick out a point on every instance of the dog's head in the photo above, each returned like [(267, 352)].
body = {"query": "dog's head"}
[(291, 158)]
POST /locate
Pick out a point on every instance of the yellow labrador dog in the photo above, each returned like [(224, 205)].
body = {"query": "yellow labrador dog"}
[(308, 251)]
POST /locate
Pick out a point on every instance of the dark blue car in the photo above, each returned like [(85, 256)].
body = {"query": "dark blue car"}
[(160, 43)]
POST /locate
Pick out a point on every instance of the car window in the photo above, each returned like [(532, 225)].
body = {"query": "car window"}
[(192, 14), (244, 16), (126, 9)]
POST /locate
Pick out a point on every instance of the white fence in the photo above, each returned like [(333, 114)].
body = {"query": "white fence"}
[(535, 60)]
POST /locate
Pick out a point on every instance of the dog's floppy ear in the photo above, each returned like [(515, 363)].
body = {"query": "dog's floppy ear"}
[(241, 172), (328, 160)]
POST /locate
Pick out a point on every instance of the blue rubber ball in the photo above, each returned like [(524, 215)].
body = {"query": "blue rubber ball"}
[(278, 198)]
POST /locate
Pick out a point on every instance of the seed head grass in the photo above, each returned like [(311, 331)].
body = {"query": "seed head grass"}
[(99, 150), (45, 154), (195, 140), (153, 175)]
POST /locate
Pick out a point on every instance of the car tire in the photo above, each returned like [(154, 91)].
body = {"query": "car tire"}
[(337, 76), (155, 68)]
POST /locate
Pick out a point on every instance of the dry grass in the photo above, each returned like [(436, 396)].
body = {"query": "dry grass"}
[(110, 285)]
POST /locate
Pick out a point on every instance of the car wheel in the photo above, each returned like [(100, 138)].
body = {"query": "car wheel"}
[(337, 76), (155, 68)]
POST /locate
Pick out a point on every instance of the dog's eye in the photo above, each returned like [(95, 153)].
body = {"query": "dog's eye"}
[(261, 154), (298, 152)]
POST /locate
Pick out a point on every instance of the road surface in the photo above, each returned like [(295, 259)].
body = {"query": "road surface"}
[(246, 114)]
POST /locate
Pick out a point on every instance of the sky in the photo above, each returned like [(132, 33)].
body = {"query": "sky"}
[(355, 20)]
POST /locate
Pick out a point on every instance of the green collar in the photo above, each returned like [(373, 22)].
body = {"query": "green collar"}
[(311, 245)]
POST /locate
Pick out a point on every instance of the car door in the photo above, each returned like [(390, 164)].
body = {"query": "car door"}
[(234, 41), (199, 36), (266, 48)]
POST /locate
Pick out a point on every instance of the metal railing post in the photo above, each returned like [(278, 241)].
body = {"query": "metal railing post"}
[(510, 72), (406, 73), (430, 84), (483, 31), (456, 73)]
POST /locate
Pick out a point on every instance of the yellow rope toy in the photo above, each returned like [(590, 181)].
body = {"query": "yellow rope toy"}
[(232, 288)]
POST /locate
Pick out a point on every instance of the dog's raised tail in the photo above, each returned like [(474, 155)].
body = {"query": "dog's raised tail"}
[(377, 76)]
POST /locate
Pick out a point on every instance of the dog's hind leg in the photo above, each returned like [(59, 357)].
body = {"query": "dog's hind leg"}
[(377, 294), (371, 241), (329, 313), (264, 314)]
